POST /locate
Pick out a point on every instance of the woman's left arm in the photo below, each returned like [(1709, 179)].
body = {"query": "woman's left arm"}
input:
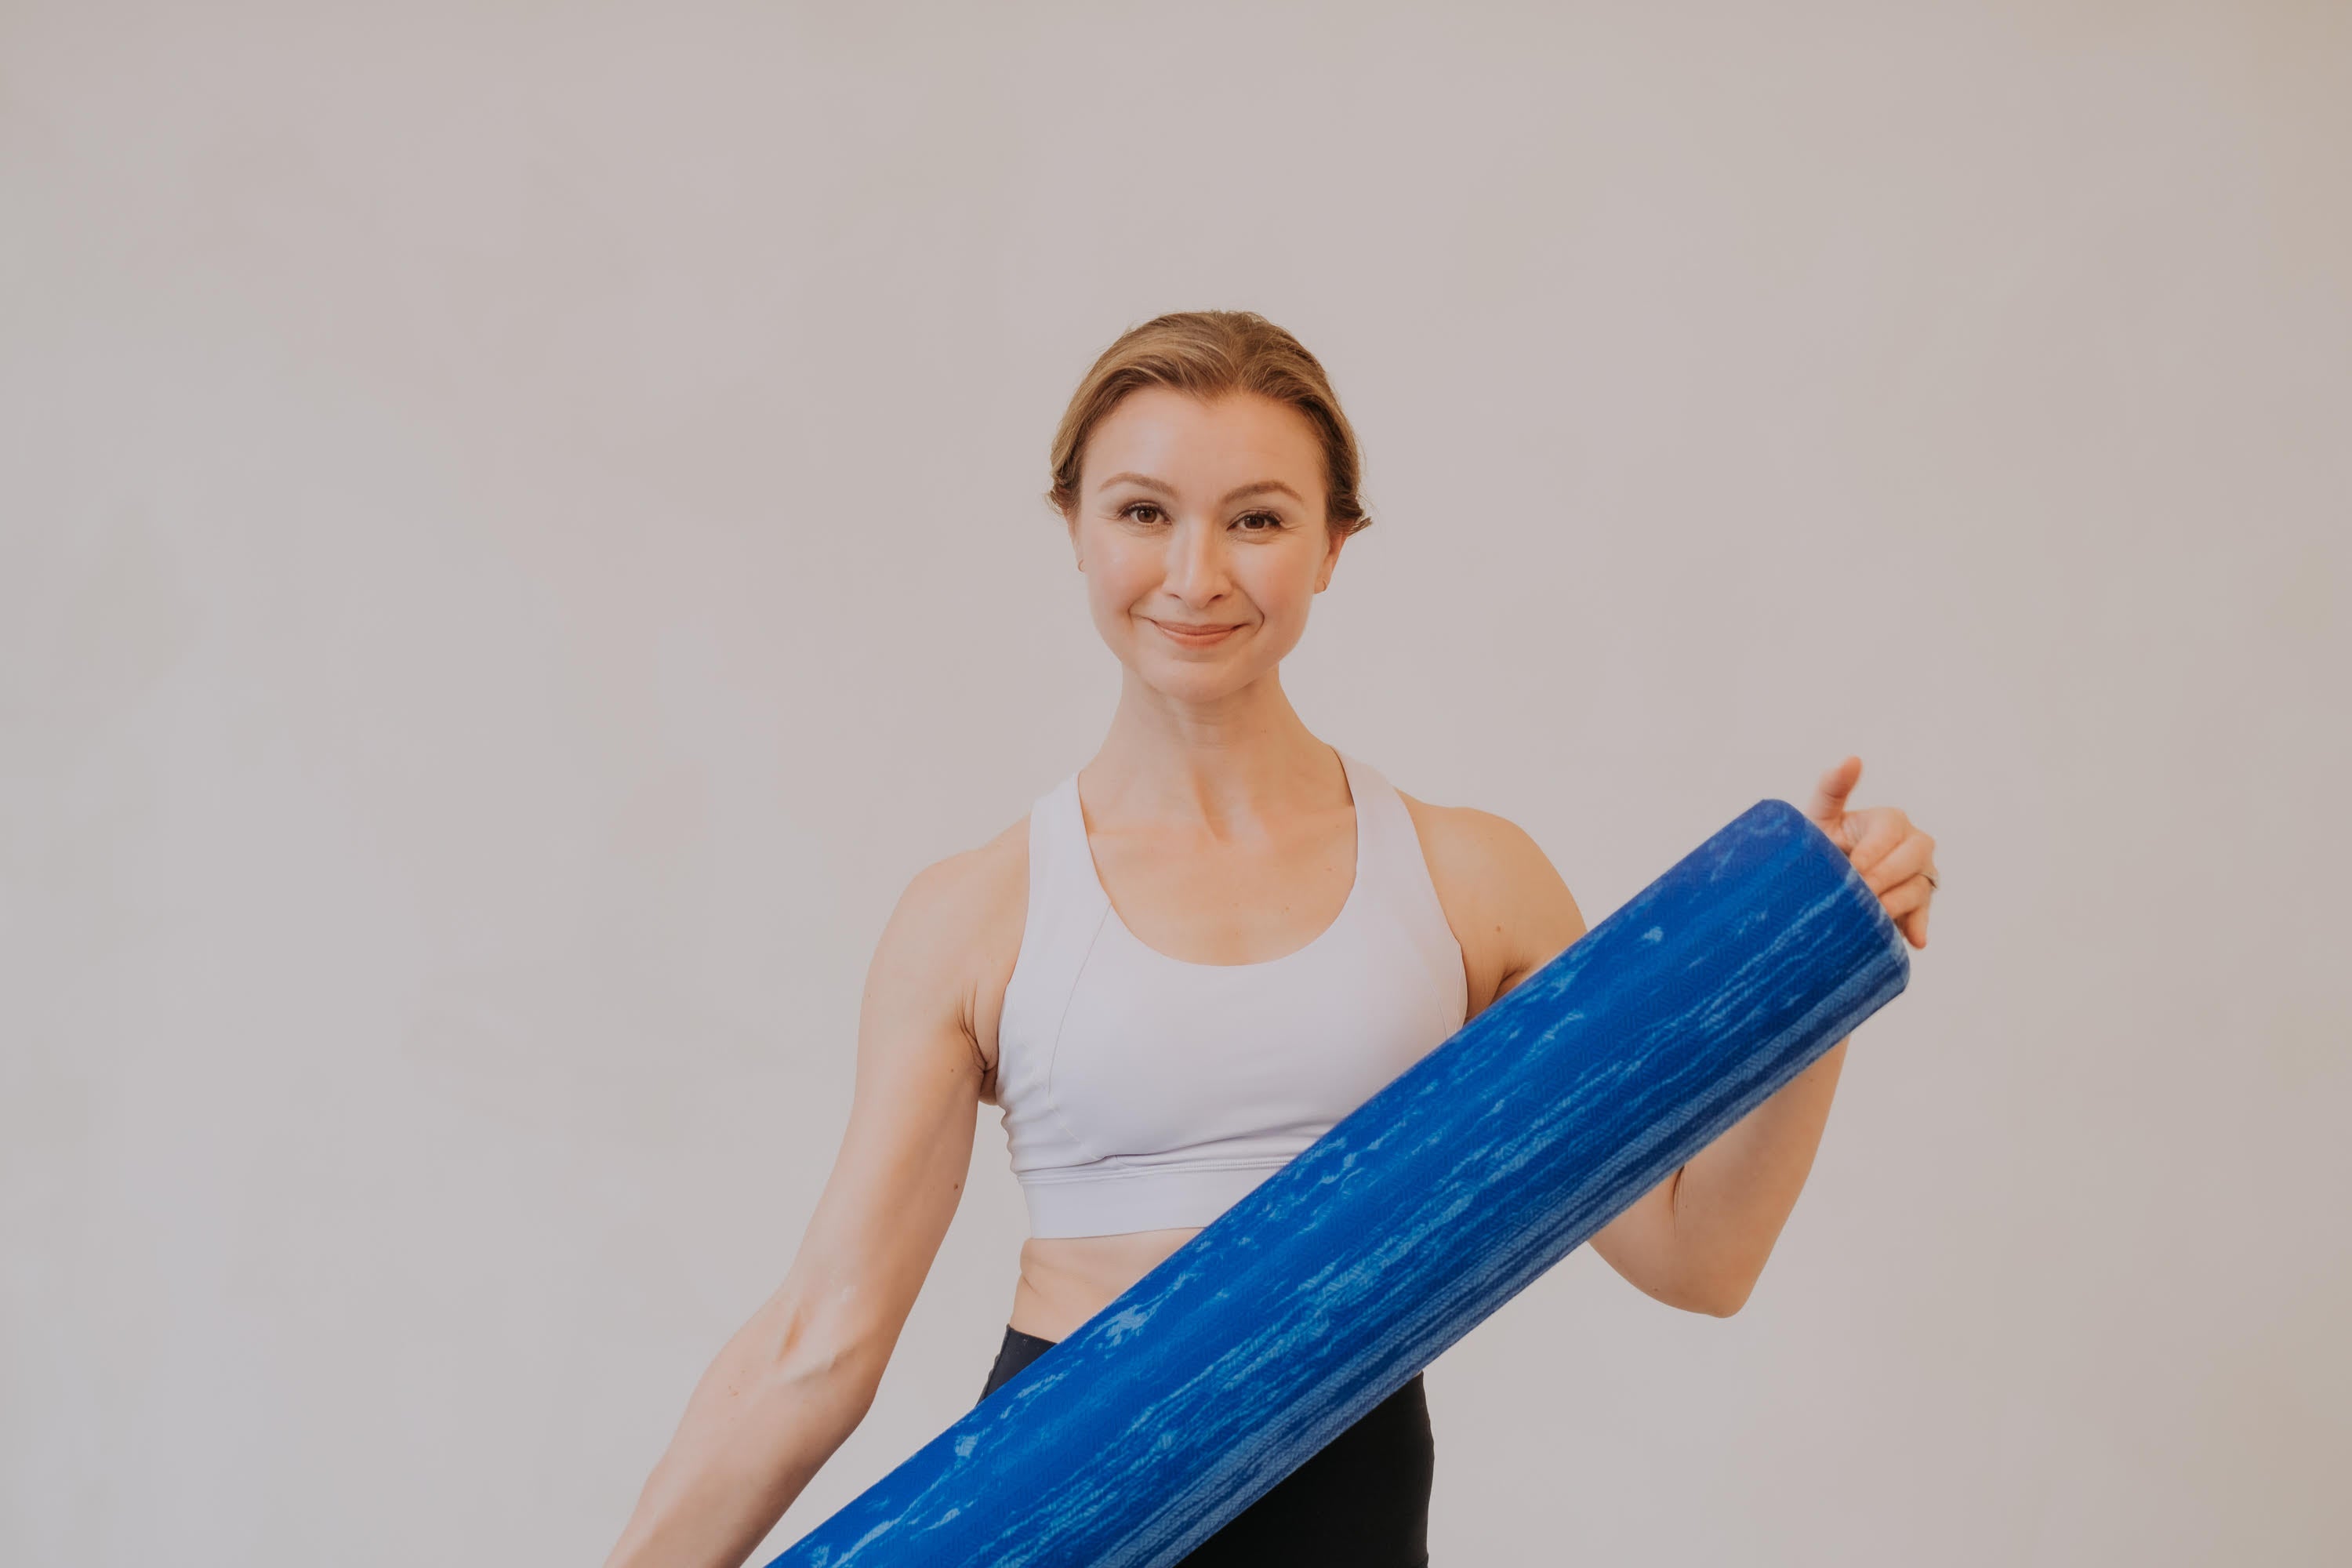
[(1699, 1239)]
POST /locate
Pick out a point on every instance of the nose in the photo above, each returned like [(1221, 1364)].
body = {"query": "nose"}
[(1196, 562)]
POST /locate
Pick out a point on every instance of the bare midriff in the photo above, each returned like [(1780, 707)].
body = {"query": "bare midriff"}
[(1065, 1279)]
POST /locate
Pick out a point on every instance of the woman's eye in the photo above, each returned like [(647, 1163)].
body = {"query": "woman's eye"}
[(1259, 521), (1142, 511)]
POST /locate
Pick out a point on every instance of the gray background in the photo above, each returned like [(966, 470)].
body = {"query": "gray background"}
[(519, 533)]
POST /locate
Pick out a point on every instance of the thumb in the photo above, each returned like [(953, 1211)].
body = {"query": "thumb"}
[(1829, 795)]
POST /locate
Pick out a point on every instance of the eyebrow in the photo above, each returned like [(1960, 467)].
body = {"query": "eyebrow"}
[(1257, 487)]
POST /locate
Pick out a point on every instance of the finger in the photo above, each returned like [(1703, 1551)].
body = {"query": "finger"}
[(1878, 831), (1911, 893), (1908, 906), (1829, 795), (1913, 857)]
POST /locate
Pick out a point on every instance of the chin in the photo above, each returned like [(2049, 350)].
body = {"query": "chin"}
[(1194, 682)]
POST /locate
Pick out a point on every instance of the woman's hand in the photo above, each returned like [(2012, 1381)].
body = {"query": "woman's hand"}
[(1893, 857)]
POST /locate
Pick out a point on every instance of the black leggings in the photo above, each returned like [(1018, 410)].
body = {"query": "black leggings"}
[(1363, 1500)]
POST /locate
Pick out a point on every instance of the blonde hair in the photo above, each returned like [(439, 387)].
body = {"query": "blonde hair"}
[(1208, 354)]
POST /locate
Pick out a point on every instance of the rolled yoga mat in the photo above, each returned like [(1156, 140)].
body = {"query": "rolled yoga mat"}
[(1327, 1286)]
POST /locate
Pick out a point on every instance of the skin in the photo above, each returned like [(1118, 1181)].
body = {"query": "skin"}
[(1223, 831)]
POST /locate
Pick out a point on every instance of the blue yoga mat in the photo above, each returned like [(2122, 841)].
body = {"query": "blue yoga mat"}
[(1327, 1287)]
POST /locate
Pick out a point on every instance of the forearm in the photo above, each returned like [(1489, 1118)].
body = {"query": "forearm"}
[(1730, 1200), (770, 1410)]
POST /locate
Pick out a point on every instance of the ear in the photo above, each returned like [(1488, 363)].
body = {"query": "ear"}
[(1330, 558), (1070, 521)]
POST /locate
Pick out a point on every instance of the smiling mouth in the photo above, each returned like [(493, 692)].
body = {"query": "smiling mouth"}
[(1196, 636)]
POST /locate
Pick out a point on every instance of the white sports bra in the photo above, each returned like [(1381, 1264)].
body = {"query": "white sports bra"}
[(1141, 1092)]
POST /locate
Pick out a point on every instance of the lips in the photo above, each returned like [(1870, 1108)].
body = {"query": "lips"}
[(1177, 631)]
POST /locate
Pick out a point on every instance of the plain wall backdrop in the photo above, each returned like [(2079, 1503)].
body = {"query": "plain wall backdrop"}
[(519, 532)]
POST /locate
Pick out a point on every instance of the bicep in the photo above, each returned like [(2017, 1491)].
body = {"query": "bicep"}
[(1536, 918), (903, 1158), (1638, 1243)]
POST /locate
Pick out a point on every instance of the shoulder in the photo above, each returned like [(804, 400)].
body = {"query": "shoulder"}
[(1507, 905), (957, 909), (1474, 843), (950, 894)]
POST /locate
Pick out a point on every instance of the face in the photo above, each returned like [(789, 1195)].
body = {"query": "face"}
[(1201, 529)]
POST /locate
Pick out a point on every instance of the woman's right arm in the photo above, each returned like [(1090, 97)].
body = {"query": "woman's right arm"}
[(794, 1382)]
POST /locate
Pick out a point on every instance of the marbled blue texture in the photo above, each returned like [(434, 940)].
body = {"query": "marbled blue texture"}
[(1434, 1203)]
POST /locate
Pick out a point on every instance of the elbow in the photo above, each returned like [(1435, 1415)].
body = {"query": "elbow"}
[(828, 1366), (1723, 1299), (839, 1374), (1714, 1296)]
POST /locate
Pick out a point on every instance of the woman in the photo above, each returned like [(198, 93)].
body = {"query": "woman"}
[(1187, 961)]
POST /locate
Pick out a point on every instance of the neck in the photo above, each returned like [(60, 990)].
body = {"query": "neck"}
[(1247, 755)]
